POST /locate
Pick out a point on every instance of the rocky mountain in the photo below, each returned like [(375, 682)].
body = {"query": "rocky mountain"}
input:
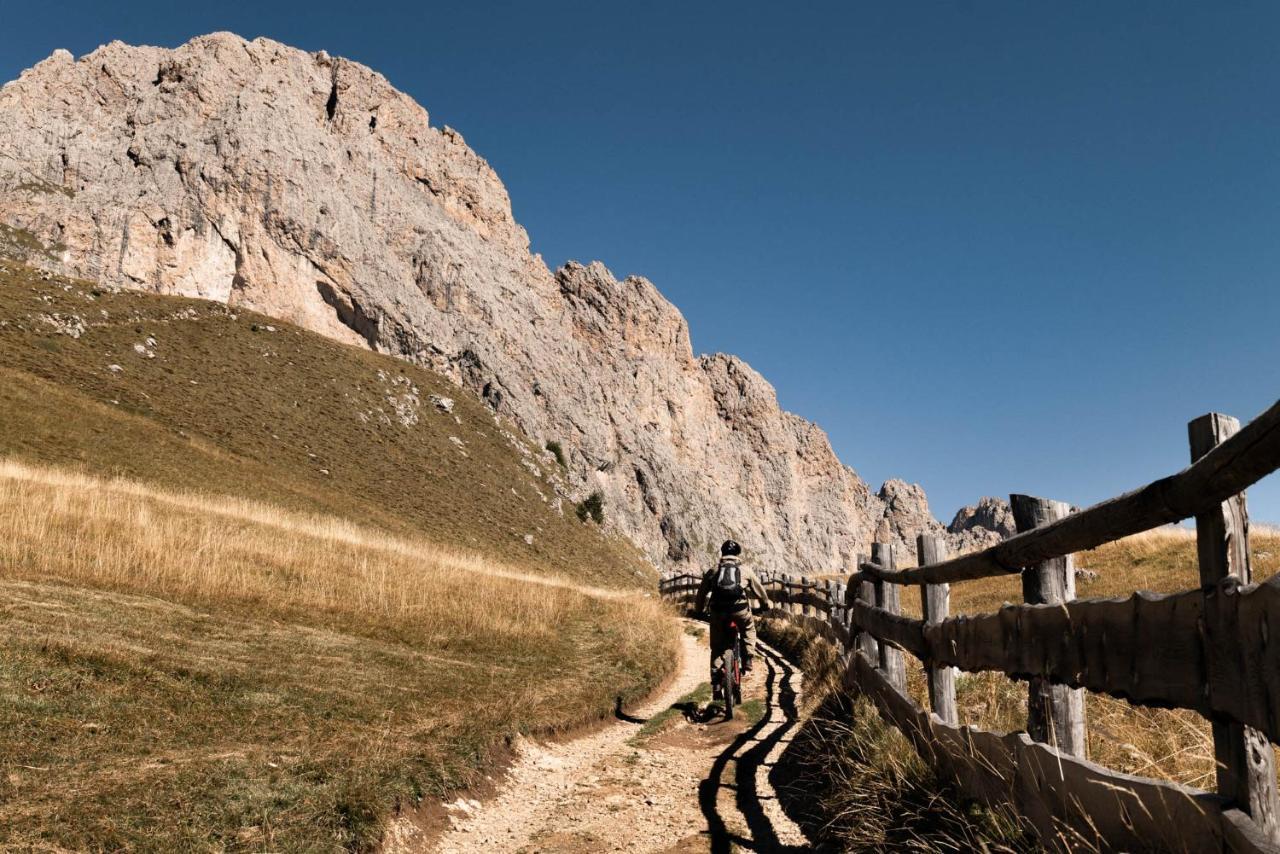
[(306, 187), (986, 523)]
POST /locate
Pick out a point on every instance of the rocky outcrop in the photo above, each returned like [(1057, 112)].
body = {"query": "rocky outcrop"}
[(906, 511), (306, 187), (986, 523)]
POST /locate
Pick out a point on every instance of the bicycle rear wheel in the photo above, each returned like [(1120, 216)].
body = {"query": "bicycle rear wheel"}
[(728, 668)]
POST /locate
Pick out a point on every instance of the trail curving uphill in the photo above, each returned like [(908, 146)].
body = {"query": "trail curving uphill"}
[(685, 786)]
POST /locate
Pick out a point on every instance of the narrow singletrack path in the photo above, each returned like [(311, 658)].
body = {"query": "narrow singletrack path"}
[(691, 786)]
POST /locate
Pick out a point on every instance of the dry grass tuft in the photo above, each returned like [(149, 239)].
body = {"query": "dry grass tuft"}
[(858, 783)]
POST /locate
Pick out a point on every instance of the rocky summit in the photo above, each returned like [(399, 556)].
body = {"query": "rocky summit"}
[(977, 526), (306, 187)]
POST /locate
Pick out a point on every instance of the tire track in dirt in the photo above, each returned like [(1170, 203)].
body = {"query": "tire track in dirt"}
[(691, 787)]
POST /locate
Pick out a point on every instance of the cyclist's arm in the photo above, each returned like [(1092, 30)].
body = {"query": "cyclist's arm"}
[(758, 589), (704, 590)]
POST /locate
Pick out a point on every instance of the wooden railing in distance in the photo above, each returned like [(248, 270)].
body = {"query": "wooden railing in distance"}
[(1214, 650)]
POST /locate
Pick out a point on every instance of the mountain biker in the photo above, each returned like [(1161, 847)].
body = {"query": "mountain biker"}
[(729, 588)]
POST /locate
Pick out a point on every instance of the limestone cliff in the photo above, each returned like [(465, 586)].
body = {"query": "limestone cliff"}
[(307, 187)]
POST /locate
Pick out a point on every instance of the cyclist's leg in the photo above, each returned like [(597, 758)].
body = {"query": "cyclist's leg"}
[(748, 623), (719, 632)]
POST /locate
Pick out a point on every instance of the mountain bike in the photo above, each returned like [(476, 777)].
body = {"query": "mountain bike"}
[(727, 679)]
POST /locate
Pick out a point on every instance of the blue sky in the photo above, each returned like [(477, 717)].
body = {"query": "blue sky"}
[(990, 247)]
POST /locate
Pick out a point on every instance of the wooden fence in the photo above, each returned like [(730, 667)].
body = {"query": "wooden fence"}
[(1210, 649)]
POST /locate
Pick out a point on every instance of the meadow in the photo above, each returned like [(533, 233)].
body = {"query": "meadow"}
[(183, 671)]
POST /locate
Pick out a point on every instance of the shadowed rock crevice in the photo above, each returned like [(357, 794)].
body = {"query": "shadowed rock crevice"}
[(350, 314), (331, 105)]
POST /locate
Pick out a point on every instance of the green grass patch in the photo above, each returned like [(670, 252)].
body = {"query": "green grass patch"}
[(21, 242), (592, 507), (558, 452), (43, 187), (751, 710), (698, 697)]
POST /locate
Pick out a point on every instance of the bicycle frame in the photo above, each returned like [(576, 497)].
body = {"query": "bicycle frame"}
[(730, 688)]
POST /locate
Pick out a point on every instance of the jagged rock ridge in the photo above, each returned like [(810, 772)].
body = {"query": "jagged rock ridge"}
[(306, 187), (986, 523)]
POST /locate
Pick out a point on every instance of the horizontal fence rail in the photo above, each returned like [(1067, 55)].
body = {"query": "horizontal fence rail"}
[(1212, 650)]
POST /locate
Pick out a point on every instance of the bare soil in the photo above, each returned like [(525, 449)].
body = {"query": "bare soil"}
[(696, 784)]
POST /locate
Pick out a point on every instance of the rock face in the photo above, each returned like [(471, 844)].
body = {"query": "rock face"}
[(986, 523), (306, 187), (906, 510)]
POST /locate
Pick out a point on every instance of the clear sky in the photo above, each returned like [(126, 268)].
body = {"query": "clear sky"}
[(990, 247)]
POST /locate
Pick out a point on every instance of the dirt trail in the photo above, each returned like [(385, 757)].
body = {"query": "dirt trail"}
[(691, 787)]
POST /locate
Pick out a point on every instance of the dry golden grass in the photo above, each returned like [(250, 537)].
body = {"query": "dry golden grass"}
[(1166, 744), (185, 671), (1162, 560), (125, 535), (856, 783)]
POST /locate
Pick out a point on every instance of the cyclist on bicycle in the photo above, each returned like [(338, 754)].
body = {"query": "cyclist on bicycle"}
[(729, 588)]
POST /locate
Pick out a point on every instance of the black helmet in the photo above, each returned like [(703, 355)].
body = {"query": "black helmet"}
[(730, 548)]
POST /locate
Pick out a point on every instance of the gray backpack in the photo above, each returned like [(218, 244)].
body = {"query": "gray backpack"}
[(727, 591)]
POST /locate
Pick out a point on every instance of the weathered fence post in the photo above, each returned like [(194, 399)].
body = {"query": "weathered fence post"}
[(806, 609), (1244, 758), (837, 601), (840, 614), (888, 597), (935, 603), (1055, 713), (864, 591)]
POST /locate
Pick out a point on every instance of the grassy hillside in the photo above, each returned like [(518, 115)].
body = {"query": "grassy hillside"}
[(256, 598), (189, 394)]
